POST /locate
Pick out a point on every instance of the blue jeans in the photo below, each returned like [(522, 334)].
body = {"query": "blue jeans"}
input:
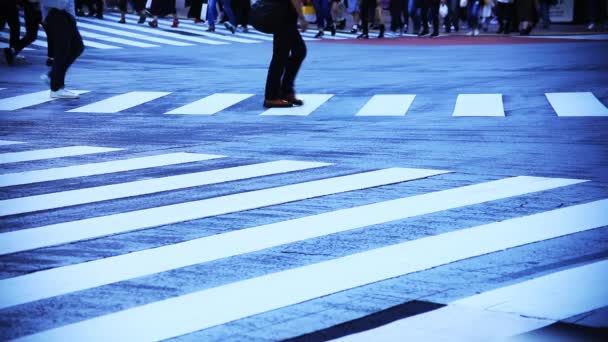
[(322, 10), (212, 12)]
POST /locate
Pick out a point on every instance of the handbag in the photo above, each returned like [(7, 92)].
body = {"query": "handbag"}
[(267, 15)]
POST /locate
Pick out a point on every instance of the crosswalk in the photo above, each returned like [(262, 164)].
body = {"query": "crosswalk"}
[(505, 311), (566, 104), (108, 34)]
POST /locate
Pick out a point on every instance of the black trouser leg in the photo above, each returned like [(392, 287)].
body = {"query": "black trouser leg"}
[(433, 6), (396, 10), (12, 19), (67, 45), (122, 6), (366, 7), (32, 20), (294, 62)]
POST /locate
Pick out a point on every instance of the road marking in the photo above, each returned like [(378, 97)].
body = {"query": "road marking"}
[(211, 307), (211, 104), (95, 273), (8, 142), (148, 186), (576, 104), (183, 27), (87, 43), (29, 177), (479, 105), (51, 235), (504, 312), (120, 102), (156, 32), (116, 40), (50, 153), (387, 105), (28, 100), (133, 35), (311, 103)]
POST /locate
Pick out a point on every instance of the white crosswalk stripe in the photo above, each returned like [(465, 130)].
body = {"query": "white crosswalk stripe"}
[(200, 310), (87, 43), (16, 157), (576, 104), (132, 35), (479, 105), (120, 102), (8, 142), (466, 105), (504, 312), (29, 100), (387, 105), (149, 31), (211, 104), (145, 187), (30, 177)]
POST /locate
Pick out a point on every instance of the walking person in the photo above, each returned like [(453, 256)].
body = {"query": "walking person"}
[(528, 16), (323, 12), (196, 6), (137, 5), (288, 53), (243, 7), (366, 7), (9, 14), (60, 21), (162, 8), (212, 14), (433, 6), (504, 14), (33, 17)]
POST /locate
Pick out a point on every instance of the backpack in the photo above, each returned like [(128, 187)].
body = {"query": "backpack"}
[(267, 15)]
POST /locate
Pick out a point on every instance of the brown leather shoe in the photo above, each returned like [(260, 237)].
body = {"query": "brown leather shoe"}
[(291, 98), (277, 104)]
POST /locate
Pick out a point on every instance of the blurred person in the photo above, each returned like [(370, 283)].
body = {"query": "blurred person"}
[(399, 15), (60, 21), (337, 14), (504, 14), (354, 10), (473, 13), (196, 7), (243, 7), (212, 14), (322, 10), (9, 15), (433, 6), (137, 5), (162, 8), (288, 53), (528, 16), (486, 14), (33, 18), (545, 6), (371, 7), (79, 4), (596, 13)]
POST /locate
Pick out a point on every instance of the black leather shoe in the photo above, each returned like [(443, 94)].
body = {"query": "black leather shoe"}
[(291, 98), (277, 104), (363, 36)]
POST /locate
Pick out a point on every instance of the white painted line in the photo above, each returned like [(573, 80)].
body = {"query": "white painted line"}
[(28, 100), (198, 30), (50, 235), (504, 312), (387, 105), (116, 40), (87, 43), (36, 42), (8, 142), (138, 264), (211, 104), (207, 308), (120, 102), (479, 105), (311, 103), (155, 32), (16, 157), (132, 35), (149, 186), (30, 177), (2, 88), (576, 104), (92, 35)]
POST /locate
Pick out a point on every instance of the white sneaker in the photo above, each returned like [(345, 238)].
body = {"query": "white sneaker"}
[(476, 32), (46, 79), (64, 94)]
